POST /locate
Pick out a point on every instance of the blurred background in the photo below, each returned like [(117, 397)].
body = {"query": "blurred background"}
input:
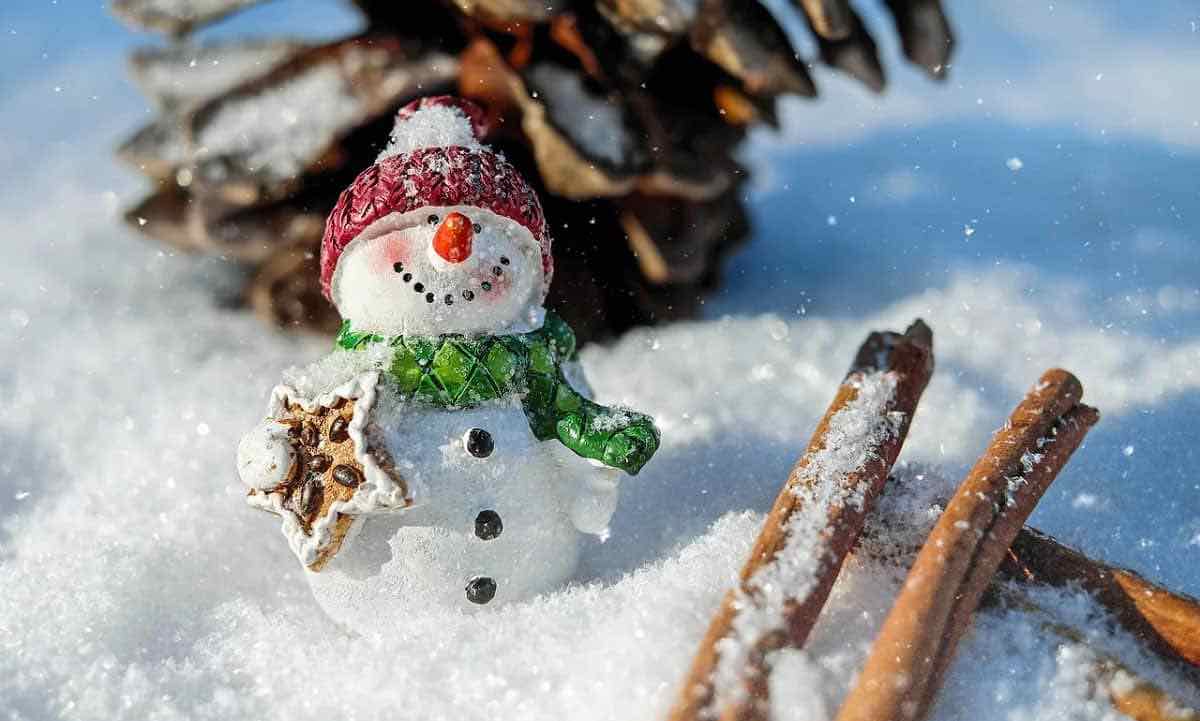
[(1036, 204)]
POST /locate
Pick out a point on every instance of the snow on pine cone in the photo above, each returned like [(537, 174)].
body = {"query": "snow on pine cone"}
[(626, 114)]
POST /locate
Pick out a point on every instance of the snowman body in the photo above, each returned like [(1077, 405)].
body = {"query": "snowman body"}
[(493, 526), (449, 452)]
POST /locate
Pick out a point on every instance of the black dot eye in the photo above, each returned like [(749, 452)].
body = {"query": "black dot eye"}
[(432, 219), (488, 525), (479, 443), (429, 297), (407, 277), (485, 285), (449, 299), (481, 589), (503, 260), (398, 267), (496, 270), (476, 227), (468, 295)]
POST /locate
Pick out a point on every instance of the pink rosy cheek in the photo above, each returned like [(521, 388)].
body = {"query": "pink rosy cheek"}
[(391, 254), (494, 287)]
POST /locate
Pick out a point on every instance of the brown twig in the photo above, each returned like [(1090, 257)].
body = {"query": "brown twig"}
[(956, 564), (905, 363), (1129, 692), (1167, 623), (1136, 697)]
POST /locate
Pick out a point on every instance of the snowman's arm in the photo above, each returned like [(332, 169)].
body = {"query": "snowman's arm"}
[(616, 437)]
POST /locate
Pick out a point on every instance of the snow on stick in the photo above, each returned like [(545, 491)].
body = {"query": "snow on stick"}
[(957, 562), (1167, 623), (1129, 692), (814, 523)]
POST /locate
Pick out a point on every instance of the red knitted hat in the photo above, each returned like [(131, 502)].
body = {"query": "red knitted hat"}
[(435, 159)]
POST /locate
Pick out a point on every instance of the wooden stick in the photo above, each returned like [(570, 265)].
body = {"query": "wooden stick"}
[(1136, 697), (904, 364), (1167, 623), (956, 564), (1127, 691)]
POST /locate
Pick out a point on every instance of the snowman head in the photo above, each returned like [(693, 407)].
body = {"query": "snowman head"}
[(441, 235)]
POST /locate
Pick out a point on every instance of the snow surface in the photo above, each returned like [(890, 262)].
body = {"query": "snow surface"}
[(135, 584)]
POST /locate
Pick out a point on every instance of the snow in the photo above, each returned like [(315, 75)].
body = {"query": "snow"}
[(135, 584), (436, 126), (182, 74), (594, 123), (136, 524), (265, 127), (854, 436)]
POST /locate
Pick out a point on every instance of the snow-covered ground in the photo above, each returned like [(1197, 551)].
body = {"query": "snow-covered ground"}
[(135, 584)]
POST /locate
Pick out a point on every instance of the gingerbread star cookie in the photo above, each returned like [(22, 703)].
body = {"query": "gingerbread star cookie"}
[(318, 463)]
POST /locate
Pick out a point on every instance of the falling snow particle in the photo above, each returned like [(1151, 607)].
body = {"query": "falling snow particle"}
[(1128, 451), (18, 317), (968, 231), (1014, 164), (831, 220)]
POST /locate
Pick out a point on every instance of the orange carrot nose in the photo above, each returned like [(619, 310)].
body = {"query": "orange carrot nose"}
[(452, 240)]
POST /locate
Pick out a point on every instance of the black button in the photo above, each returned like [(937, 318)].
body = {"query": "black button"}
[(481, 589), (488, 525), (479, 443)]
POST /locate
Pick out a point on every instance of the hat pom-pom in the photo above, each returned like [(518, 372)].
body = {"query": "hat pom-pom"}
[(436, 122)]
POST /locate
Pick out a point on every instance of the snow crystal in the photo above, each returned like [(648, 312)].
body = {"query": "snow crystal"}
[(435, 126), (853, 437), (593, 122), (266, 127), (333, 369), (187, 73), (619, 418), (1014, 164)]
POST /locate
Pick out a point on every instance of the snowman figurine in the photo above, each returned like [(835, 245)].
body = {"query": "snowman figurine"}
[(447, 450)]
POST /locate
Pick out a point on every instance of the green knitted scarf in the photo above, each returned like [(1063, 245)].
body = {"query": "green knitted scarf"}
[(456, 371)]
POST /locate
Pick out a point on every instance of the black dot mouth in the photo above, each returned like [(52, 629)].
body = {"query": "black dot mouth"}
[(467, 294)]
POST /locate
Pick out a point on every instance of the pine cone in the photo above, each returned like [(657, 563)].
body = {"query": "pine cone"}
[(623, 114)]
